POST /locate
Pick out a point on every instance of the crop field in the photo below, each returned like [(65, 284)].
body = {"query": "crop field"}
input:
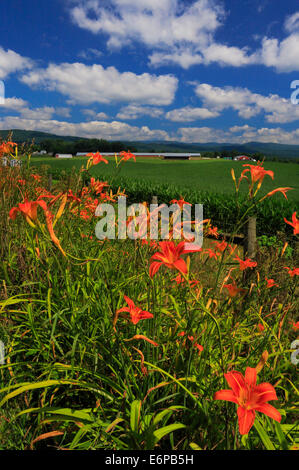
[(142, 343), (198, 175)]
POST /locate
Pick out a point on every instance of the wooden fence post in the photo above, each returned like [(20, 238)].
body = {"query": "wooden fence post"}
[(50, 181), (250, 238), (155, 200)]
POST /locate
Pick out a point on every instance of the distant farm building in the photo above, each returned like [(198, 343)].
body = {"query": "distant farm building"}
[(63, 155), (241, 158), (166, 156), (41, 152)]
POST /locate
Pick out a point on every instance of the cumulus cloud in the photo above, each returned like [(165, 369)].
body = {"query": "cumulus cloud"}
[(246, 103), (241, 136), (182, 33), (189, 114), (134, 112), (176, 32), (13, 104), (114, 130), (21, 107), (292, 23), (11, 61), (155, 23), (86, 84), (281, 55), (91, 114)]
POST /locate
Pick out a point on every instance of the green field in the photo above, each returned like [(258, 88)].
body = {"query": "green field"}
[(198, 175)]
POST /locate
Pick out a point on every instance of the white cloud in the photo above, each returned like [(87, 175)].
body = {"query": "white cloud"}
[(281, 55), (155, 23), (90, 54), (94, 84), (21, 106), (247, 104), (182, 33), (189, 114), (93, 129), (134, 112), (292, 23), (250, 134), (176, 32), (14, 104), (11, 62), (225, 55), (90, 113)]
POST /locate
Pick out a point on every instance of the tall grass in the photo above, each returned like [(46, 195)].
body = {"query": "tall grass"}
[(75, 378)]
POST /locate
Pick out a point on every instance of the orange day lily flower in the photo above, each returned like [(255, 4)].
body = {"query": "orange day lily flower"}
[(6, 147), (233, 289), (126, 156), (294, 223), (292, 272), (249, 397), (271, 283), (28, 209), (96, 158), (170, 256), (180, 202), (135, 312), (247, 263), (257, 172), (279, 190)]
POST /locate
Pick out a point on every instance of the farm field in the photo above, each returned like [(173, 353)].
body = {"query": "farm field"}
[(204, 175), (111, 343)]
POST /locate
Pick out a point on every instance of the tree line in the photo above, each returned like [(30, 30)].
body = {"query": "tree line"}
[(82, 145)]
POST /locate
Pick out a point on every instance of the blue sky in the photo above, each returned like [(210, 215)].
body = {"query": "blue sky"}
[(184, 70)]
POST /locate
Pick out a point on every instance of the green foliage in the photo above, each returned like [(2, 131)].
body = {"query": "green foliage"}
[(75, 378)]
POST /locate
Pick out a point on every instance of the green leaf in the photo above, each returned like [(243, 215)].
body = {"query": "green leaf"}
[(135, 415), (159, 433), (263, 435), (36, 385)]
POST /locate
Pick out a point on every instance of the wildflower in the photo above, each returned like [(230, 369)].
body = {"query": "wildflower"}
[(280, 190), (257, 172), (220, 246), (6, 147), (28, 209), (170, 256), (180, 202), (213, 231), (36, 177), (126, 156), (98, 186), (249, 397), (199, 347), (292, 272), (212, 253), (295, 326), (247, 263), (260, 327), (180, 280), (145, 338), (294, 223), (95, 158), (135, 312), (233, 290), (271, 283)]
